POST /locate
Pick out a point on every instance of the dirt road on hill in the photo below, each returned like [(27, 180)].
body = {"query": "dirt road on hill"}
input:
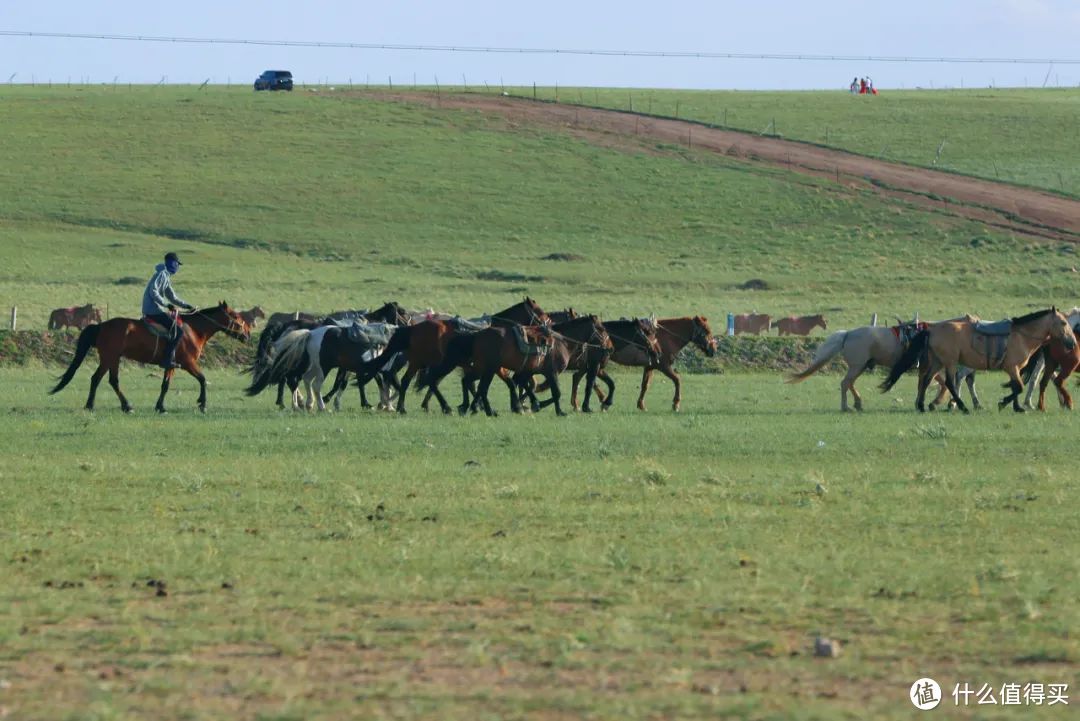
[(1021, 210)]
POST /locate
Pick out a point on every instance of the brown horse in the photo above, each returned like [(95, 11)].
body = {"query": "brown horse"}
[(75, 317), (672, 334), (801, 325), (951, 343), (424, 345), (1056, 357), (251, 317), (498, 351), (752, 323), (129, 338), (627, 337)]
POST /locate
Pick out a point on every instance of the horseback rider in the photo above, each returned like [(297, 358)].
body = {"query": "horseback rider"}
[(159, 305)]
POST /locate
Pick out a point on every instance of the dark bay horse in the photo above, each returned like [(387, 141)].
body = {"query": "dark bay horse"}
[(950, 343), (76, 317), (629, 338), (424, 345), (129, 338), (672, 335)]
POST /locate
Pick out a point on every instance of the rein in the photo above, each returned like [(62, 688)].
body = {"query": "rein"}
[(203, 314)]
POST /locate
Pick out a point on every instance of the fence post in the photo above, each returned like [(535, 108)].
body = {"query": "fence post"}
[(296, 315), (731, 324), (106, 311), (14, 316)]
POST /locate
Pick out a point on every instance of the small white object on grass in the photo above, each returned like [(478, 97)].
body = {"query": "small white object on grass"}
[(826, 647)]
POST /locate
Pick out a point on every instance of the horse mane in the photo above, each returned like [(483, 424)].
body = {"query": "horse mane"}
[(1021, 320)]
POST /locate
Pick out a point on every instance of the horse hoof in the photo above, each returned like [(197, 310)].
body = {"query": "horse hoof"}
[(202, 409), (128, 411), (561, 414), (1019, 409), (585, 410)]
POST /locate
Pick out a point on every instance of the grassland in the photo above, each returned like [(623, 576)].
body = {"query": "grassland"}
[(305, 201), (1028, 137), (675, 566), (256, 564)]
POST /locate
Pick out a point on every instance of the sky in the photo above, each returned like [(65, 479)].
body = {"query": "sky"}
[(920, 28)]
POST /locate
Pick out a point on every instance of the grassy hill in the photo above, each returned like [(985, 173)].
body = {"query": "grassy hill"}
[(323, 201), (1027, 137)]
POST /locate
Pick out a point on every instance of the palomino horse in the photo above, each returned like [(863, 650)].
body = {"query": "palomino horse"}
[(129, 338), (251, 317), (864, 349), (672, 334), (424, 345), (801, 325), (951, 343), (628, 337), (76, 317), (752, 323)]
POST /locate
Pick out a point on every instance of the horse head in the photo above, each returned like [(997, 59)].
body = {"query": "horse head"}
[(703, 336), (229, 321)]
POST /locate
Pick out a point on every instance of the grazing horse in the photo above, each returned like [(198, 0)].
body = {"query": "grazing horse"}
[(76, 317), (424, 345), (130, 338), (951, 343), (865, 348), (251, 317), (752, 323), (672, 335), (801, 325)]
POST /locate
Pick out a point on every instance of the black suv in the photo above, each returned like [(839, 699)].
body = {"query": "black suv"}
[(274, 80)]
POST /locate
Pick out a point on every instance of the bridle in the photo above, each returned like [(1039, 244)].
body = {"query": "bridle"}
[(234, 329)]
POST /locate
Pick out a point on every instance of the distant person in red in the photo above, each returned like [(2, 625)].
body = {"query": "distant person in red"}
[(870, 87), (862, 86)]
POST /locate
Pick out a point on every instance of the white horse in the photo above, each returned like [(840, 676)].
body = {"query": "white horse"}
[(865, 348)]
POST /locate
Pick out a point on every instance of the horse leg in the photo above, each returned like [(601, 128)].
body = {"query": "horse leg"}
[(970, 380), (925, 376), (317, 382), (166, 378), (1047, 376), (1037, 375), (94, 381), (846, 383), (556, 394), (482, 392), (590, 383), (605, 403), (466, 390), (669, 371), (573, 389), (950, 383), (1017, 385), (281, 393), (646, 379), (114, 381), (1063, 393), (943, 388), (405, 381)]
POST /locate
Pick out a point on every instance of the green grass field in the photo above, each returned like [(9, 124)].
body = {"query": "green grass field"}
[(309, 202), (617, 565), (265, 565)]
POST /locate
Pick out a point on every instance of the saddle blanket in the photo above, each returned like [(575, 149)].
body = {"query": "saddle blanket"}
[(465, 325), (998, 327), (160, 330)]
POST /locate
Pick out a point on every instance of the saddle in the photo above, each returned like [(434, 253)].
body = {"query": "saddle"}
[(998, 327), (906, 331), (991, 339), (364, 333), (160, 330), (469, 327), (533, 341)]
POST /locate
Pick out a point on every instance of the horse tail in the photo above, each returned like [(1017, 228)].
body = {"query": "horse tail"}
[(290, 351), (1035, 362), (53, 324), (458, 351), (87, 340), (825, 353), (914, 352)]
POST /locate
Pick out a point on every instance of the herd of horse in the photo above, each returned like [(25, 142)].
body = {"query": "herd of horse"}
[(523, 342), (758, 323), (516, 344)]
